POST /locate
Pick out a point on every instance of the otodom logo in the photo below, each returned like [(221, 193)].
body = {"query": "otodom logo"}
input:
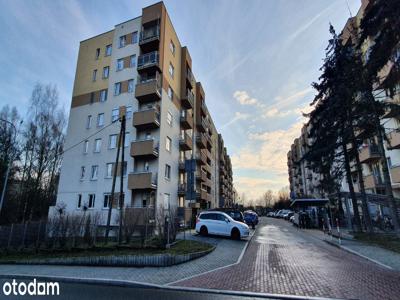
[(32, 288)]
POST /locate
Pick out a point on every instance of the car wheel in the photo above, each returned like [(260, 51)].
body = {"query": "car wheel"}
[(235, 234), (203, 231)]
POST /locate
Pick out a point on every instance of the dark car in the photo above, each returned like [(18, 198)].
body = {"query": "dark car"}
[(233, 213), (251, 218)]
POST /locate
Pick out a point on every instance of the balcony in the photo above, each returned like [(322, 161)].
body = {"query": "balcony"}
[(148, 89), (201, 140), (149, 38), (201, 157), (201, 125), (202, 195), (149, 61), (181, 165), (201, 176), (181, 189), (395, 174), (144, 148), (373, 181), (142, 181), (190, 78), (209, 142), (394, 139), (186, 120), (369, 154), (185, 142), (146, 119), (188, 99)]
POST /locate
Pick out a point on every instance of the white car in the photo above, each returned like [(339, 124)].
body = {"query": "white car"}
[(219, 223)]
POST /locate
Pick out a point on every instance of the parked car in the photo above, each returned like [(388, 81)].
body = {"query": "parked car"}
[(220, 223), (251, 218), (291, 219), (287, 215), (233, 213), (271, 214), (282, 213)]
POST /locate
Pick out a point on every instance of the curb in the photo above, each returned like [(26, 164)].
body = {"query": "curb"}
[(358, 254), (135, 284)]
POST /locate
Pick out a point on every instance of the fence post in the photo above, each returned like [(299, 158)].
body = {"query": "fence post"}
[(38, 234), (10, 236)]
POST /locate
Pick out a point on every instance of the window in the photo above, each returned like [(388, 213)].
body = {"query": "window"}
[(170, 93), (92, 198), (169, 118), (115, 114), (125, 167), (120, 64), (172, 47), (85, 146), (132, 61), (171, 70), (166, 200), (129, 112), (103, 95), (97, 145), (107, 201), (97, 53), (122, 41), (100, 120), (109, 169), (94, 75), (106, 72), (79, 204), (83, 172), (167, 171), (95, 171), (117, 88), (112, 142), (89, 122), (130, 85), (91, 97), (134, 37), (168, 144), (108, 50), (126, 139)]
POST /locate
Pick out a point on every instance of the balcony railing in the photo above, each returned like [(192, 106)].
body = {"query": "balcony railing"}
[(145, 148), (148, 89), (142, 180), (181, 188), (149, 34), (188, 99), (146, 118), (394, 139), (148, 60), (373, 181), (185, 142), (186, 120), (189, 77), (369, 153)]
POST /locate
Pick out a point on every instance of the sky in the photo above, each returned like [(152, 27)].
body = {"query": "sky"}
[(256, 60)]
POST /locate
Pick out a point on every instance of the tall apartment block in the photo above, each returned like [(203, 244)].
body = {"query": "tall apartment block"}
[(173, 158), (305, 183)]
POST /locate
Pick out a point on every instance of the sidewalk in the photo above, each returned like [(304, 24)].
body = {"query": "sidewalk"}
[(381, 256)]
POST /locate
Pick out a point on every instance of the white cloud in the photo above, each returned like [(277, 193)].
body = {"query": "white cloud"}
[(238, 116), (244, 99), (255, 187), (276, 113), (270, 155)]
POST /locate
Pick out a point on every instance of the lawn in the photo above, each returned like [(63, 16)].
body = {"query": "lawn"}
[(387, 241), (181, 247)]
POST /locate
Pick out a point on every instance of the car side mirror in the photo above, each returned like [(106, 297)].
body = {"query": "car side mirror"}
[(227, 220)]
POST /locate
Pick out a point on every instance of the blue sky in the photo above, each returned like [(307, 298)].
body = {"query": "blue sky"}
[(256, 60)]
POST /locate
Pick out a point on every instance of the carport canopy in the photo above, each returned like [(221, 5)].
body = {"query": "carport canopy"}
[(309, 202)]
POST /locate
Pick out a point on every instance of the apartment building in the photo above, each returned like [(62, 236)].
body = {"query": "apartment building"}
[(370, 157), (226, 191), (139, 69)]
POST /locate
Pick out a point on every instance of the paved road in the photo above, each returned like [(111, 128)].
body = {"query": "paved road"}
[(284, 260)]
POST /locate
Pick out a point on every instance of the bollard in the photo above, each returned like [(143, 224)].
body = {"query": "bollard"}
[(338, 230)]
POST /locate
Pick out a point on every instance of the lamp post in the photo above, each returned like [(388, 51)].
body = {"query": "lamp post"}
[(3, 193)]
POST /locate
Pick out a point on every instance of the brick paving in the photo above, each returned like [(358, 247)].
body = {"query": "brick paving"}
[(284, 260), (227, 252)]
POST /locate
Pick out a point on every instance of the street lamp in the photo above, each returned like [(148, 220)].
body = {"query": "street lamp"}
[(9, 164)]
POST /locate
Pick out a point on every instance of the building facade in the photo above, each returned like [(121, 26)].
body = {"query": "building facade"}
[(303, 180), (172, 156)]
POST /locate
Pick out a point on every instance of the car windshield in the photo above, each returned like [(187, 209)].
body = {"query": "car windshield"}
[(200, 149)]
